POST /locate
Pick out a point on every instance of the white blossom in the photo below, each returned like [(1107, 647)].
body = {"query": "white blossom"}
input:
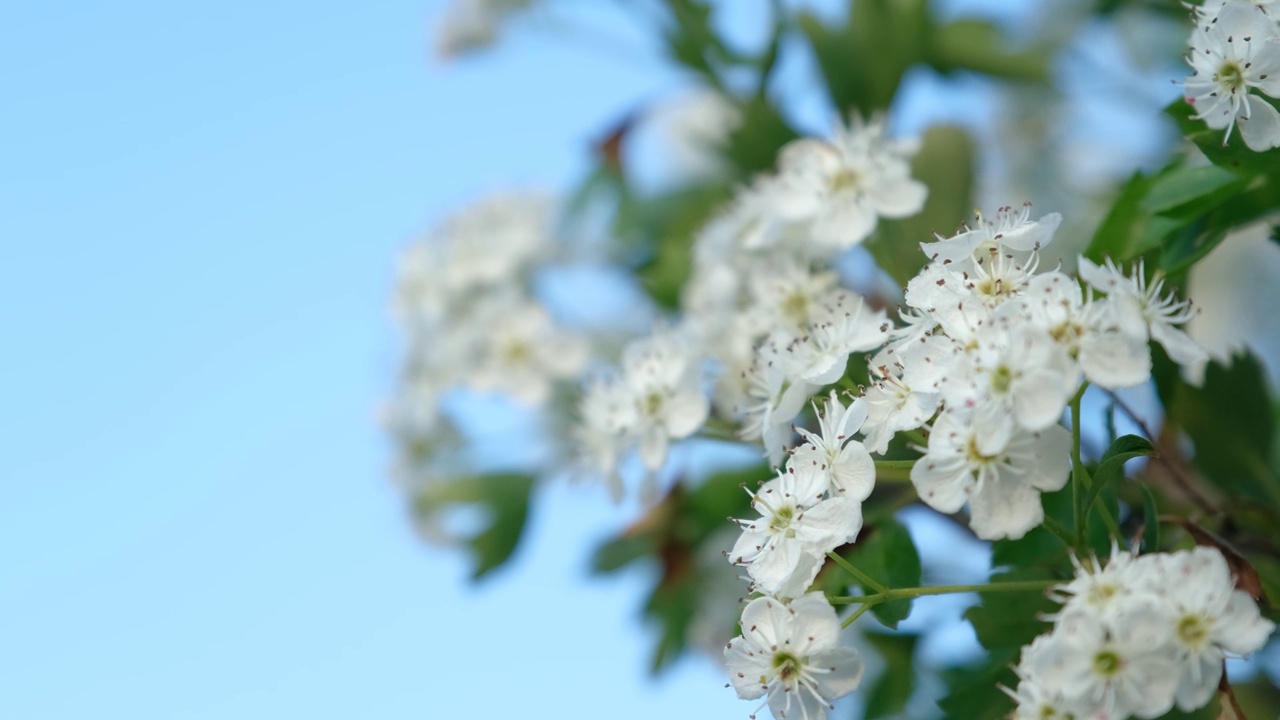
[(1142, 313), (1230, 53), (1003, 487), (785, 547), (792, 654), (842, 187), (847, 463)]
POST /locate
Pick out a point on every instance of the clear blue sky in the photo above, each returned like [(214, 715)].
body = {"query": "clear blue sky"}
[(200, 208)]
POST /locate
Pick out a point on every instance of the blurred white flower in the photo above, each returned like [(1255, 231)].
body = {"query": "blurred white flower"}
[(842, 187)]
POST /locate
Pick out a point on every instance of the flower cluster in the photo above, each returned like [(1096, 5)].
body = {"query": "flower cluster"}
[(997, 349), (1137, 637), (1235, 47), (469, 316), (656, 396), (789, 644), (763, 298)]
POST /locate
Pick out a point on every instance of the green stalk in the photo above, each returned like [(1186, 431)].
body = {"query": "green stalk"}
[(887, 595)]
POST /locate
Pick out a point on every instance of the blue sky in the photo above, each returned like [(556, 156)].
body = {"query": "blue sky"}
[(200, 208)]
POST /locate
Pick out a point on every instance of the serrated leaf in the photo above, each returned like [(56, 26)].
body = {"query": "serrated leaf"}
[(1191, 190), (1229, 420), (1011, 619), (505, 499), (1234, 155), (1122, 235)]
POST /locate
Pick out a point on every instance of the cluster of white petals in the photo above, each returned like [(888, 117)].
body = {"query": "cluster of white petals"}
[(1137, 637), (655, 396), (469, 25), (992, 350), (763, 300), (790, 651), (789, 645), (469, 318), (1235, 48), (812, 507)]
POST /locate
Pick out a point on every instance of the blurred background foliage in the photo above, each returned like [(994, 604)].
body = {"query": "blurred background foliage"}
[(1064, 103)]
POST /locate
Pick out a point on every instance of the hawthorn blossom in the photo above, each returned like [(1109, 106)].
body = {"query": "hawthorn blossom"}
[(1087, 330), (665, 386), (1209, 618), (772, 398), (1115, 661), (1231, 52), (1142, 313), (1002, 488), (1138, 636), (847, 463), (1008, 229), (792, 653), (842, 187), (785, 547)]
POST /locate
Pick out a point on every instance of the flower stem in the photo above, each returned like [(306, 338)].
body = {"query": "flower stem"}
[(887, 595), (894, 470), (1061, 532), (862, 577), (1079, 478)]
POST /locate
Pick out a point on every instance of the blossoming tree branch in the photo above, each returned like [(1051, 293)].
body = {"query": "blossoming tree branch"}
[(829, 326)]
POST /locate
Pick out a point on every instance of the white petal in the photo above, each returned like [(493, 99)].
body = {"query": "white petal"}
[(829, 524), (1181, 348), (846, 672), (942, 483), (1051, 459), (846, 220), (1261, 130), (854, 472), (897, 199)]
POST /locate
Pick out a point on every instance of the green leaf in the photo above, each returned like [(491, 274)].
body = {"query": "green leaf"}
[(886, 552), (622, 551), (669, 223), (1190, 190), (861, 63), (892, 689), (945, 164), (978, 46), (752, 147), (672, 604), (1150, 521), (1111, 468), (505, 500), (1229, 420), (973, 693), (1039, 547), (1125, 233), (1011, 619), (1234, 155)]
